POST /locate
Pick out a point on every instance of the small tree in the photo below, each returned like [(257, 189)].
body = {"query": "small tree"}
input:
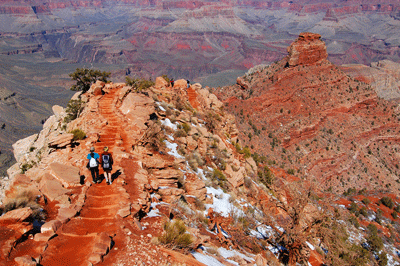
[(74, 108), (140, 84), (85, 77)]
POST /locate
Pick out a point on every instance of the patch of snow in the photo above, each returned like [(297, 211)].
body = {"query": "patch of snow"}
[(371, 217), (207, 260), (395, 252), (257, 234), (173, 151), (153, 213), (171, 137), (221, 203), (169, 124), (280, 229), (230, 253), (200, 172), (310, 246), (161, 108), (265, 231)]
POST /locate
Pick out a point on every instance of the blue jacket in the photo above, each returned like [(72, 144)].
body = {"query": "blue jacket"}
[(96, 156)]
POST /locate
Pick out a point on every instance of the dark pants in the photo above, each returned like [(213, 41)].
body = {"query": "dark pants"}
[(95, 173)]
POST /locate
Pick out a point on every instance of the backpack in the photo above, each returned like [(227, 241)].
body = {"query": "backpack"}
[(92, 161), (106, 161)]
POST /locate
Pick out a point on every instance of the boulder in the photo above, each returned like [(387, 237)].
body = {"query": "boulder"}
[(61, 141), (196, 86), (161, 83), (156, 161), (43, 237), (137, 108), (170, 194), (21, 147), (50, 227), (235, 178), (180, 83), (96, 88), (68, 175), (166, 174), (51, 187), (195, 187), (25, 261), (76, 96), (16, 216), (65, 214), (58, 111)]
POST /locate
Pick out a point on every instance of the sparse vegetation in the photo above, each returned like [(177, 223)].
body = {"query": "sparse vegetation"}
[(175, 235), (25, 167), (24, 199), (86, 77), (139, 84), (387, 201), (265, 176), (74, 108), (78, 134)]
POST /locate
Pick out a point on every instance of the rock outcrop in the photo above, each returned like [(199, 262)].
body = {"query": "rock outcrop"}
[(300, 110), (307, 49)]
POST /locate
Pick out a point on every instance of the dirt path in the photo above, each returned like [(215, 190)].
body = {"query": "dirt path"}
[(99, 224), (192, 95)]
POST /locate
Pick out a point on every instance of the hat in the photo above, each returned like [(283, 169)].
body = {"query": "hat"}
[(105, 148), (91, 148)]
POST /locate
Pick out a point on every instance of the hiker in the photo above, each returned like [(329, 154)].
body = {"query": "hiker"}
[(106, 162), (188, 83), (93, 165), (172, 82)]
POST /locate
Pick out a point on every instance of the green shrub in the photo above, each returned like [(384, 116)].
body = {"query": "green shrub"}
[(290, 171), (180, 133), (139, 84), (86, 77), (366, 201), (265, 176), (387, 201), (186, 127), (353, 207), (167, 79), (364, 212), (382, 259), (246, 152), (25, 167), (24, 199), (78, 134), (74, 108), (354, 221), (394, 215), (175, 235)]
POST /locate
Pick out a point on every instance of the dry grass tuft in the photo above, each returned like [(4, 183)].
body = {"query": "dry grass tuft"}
[(24, 199), (175, 235)]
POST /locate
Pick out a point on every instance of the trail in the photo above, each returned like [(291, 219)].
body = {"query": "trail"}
[(98, 224)]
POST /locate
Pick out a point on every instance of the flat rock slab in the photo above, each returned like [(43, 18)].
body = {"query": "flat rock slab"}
[(68, 175), (51, 187), (15, 216)]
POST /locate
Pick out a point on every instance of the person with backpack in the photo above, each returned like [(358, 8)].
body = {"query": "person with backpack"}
[(93, 165), (106, 161)]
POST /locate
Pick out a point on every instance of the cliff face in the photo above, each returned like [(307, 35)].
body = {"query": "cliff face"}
[(308, 116)]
